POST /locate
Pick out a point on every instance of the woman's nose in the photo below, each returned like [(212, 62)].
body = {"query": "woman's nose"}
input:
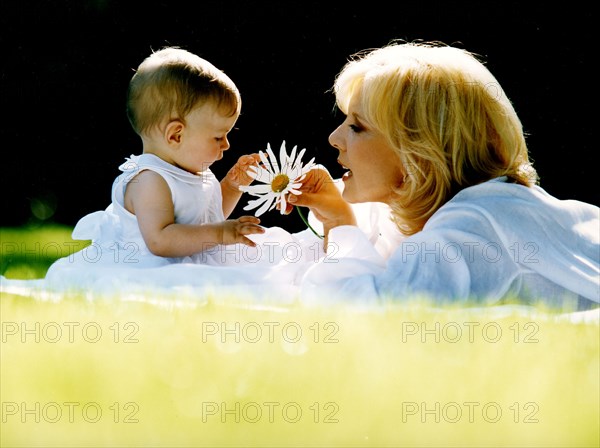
[(334, 139)]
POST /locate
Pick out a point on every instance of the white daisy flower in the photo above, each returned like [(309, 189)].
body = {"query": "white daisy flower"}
[(279, 179)]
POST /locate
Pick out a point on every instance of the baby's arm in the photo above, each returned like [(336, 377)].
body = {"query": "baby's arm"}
[(149, 197), (235, 177)]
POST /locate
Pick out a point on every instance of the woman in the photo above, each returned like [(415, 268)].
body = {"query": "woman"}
[(430, 132)]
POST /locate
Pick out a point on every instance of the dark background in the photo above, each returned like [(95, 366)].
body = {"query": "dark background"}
[(66, 66)]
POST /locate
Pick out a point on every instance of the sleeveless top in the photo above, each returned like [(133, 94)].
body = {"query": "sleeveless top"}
[(115, 232)]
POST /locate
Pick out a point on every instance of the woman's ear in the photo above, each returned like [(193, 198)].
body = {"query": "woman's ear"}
[(174, 133)]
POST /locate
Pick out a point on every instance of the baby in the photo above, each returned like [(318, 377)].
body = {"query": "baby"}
[(167, 205)]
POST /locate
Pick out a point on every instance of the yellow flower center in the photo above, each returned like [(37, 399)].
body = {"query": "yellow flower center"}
[(279, 183)]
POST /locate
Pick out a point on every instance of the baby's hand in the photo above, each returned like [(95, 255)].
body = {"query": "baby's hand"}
[(237, 175), (234, 230)]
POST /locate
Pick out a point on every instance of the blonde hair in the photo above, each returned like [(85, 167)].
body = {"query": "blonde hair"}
[(172, 82), (446, 117)]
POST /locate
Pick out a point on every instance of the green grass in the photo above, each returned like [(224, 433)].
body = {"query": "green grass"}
[(296, 376), (26, 253)]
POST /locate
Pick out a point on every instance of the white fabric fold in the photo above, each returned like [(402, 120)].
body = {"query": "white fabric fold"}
[(491, 243)]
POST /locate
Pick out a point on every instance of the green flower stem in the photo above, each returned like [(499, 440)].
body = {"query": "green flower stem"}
[(306, 222)]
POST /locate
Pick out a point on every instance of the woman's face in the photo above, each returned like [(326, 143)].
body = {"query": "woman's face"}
[(374, 168)]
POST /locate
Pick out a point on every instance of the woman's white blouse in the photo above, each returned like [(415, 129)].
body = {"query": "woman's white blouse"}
[(491, 242)]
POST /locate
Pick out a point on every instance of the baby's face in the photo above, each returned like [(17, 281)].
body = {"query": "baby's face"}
[(204, 138)]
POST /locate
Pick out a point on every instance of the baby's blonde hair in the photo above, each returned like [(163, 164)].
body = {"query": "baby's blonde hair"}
[(171, 82), (446, 117)]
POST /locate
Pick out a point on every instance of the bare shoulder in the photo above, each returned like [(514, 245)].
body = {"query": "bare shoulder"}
[(146, 186)]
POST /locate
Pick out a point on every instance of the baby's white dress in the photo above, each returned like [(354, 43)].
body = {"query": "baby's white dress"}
[(118, 258), (114, 232)]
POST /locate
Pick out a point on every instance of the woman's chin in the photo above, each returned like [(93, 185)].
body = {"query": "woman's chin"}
[(348, 196), (352, 197), (351, 193)]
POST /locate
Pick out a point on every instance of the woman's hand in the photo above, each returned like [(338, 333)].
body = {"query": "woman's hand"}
[(323, 198)]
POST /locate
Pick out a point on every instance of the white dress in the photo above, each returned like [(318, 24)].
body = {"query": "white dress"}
[(118, 259), (114, 232), (491, 242)]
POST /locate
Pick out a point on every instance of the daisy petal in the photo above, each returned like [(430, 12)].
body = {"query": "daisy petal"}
[(265, 162), (273, 159), (292, 156), (309, 165), (266, 205), (274, 204), (255, 189), (254, 203), (252, 173), (298, 162), (263, 175), (282, 204), (283, 157)]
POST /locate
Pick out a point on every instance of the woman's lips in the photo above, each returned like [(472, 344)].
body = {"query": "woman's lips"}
[(347, 174)]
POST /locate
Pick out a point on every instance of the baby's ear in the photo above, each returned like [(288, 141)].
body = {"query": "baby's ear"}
[(174, 132)]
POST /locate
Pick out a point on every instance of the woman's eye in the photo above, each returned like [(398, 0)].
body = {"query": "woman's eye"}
[(355, 128)]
